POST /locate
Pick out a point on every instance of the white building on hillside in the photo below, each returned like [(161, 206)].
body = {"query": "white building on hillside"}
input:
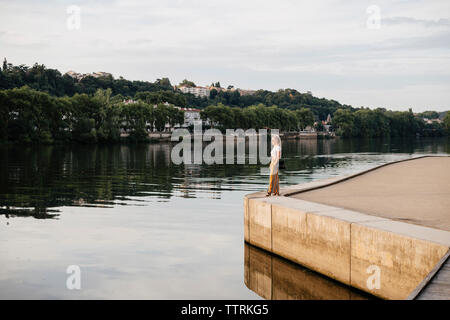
[(75, 75), (100, 74), (196, 91), (80, 76)]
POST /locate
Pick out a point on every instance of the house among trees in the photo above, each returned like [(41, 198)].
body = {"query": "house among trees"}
[(327, 124), (191, 116), (80, 76)]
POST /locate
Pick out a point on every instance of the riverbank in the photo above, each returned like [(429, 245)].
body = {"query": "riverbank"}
[(322, 226), (167, 137)]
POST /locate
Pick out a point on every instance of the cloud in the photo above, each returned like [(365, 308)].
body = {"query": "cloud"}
[(411, 20), (306, 45)]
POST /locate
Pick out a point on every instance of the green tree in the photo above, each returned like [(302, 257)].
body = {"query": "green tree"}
[(163, 84), (212, 94), (239, 119), (305, 118), (318, 126), (84, 131), (29, 115), (343, 121), (447, 122), (219, 115), (428, 115), (136, 117), (175, 116), (161, 116), (187, 83), (109, 117), (4, 116), (364, 123)]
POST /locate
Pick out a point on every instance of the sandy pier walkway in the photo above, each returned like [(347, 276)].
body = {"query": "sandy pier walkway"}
[(415, 191)]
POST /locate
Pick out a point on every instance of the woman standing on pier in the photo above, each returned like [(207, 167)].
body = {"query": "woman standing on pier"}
[(274, 185)]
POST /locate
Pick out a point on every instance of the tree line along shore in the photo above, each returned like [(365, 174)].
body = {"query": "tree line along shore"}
[(38, 104)]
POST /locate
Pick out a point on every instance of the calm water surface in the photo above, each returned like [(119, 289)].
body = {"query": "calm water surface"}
[(140, 227)]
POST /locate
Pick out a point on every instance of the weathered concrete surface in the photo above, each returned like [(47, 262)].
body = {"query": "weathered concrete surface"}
[(438, 287), (403, 261), (312, 233), (246, 224), (274, 278), (415, 191), (260, 224), (342, 244)]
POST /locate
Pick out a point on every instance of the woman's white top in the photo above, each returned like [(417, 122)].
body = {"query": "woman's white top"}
[(273, 154)]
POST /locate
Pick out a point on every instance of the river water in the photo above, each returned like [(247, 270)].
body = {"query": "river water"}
[(138, 226)]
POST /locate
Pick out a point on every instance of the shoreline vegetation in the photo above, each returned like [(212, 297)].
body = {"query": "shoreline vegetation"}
[(40, 105)]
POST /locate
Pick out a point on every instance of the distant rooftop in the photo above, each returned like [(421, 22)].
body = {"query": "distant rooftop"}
[(80, 76)]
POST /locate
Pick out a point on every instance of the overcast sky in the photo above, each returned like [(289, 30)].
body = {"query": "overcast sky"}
[(330, 47)]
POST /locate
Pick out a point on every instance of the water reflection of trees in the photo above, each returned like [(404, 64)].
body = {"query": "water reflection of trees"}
[(38, 213), (44, 177), (83, 175)]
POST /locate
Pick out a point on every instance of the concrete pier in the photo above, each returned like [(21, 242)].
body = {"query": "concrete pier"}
[(390, 222)]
